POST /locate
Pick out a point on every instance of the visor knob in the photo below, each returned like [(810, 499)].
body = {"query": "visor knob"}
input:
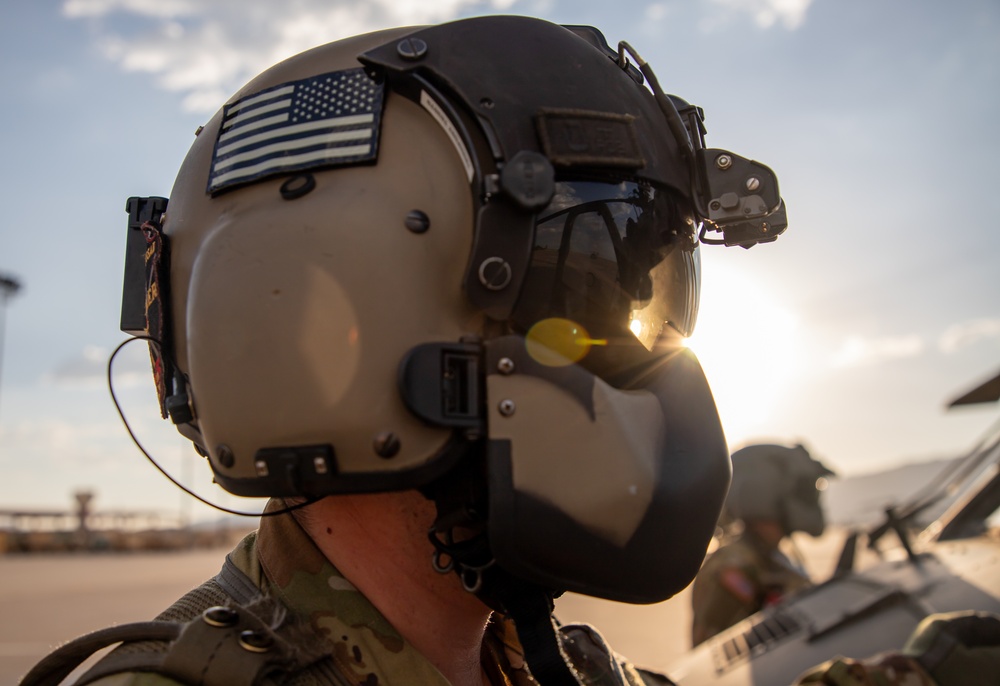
[(529, 180)]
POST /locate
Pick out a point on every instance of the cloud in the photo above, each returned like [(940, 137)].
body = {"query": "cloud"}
[(766, 13), (86, 368), (90, 367), (146, 8), (656, 11), (968, 333), (205, 51), (860, 351)]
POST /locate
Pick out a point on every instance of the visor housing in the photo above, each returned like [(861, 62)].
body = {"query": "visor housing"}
[(612, 264)]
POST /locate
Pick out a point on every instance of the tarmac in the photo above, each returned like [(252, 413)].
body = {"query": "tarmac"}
[(47, 599)]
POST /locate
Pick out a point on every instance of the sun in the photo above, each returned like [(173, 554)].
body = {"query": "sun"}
[(747, 342)]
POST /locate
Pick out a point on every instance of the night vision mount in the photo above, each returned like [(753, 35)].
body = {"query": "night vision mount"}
[(732, 195)]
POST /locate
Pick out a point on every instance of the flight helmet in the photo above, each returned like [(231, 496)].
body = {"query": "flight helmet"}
[(780, 483), (460, 258)]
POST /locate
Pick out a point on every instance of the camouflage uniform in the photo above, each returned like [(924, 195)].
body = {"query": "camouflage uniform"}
[(365, 649), (946, 649), (737, 580), (889, 669)]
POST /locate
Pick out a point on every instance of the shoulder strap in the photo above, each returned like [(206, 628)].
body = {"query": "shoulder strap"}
[(235, 645), (235, 583), (58, 664), (223, 633)]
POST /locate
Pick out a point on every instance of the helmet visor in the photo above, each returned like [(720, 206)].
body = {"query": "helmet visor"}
[(611, 265)]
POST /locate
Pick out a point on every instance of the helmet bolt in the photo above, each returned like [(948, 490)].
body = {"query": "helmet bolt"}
[(495, 273), (507, 407), (753, 183), (723, 162), (411, 49), (505, 366), (486, 103), (296, 186), (386, 444), (716, 205), (225, 455), (417, 221)]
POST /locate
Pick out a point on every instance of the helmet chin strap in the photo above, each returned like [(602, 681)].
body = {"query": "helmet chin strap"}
[(461, 545), (530, 607)]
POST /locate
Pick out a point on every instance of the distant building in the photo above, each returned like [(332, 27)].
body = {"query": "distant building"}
[(82, 529)]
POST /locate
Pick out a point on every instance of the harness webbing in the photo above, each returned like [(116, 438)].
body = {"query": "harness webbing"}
[(57, 665), (183, 644)]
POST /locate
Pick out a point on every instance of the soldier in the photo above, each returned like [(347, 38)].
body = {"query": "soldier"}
[(775, 491), (946, 649), (427, 290)]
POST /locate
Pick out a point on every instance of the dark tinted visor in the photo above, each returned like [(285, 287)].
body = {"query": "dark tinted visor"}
[(612, 265)]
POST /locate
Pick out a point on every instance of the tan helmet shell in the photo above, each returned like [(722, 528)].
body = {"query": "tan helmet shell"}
[(291, 316)]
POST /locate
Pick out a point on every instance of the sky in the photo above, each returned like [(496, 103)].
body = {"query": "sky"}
[(879, 304)]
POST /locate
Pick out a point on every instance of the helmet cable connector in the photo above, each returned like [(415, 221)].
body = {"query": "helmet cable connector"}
[(121, 414)]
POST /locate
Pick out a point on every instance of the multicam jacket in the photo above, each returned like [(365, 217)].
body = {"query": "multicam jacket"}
[(357, 645), (737, 580), (889, 669)]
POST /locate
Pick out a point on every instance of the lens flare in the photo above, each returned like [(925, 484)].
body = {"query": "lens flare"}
[(557, 342)]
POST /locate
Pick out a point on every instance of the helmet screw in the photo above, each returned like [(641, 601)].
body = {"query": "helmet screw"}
[(753, 183), (226, 457), (716, 205), (507, 407), (297, 186), (723, 162), (495, 273), (386, 444), (411, 49), (505, 366), (417, 221)]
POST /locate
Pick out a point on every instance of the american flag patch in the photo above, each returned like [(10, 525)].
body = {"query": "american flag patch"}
[(323, 121)]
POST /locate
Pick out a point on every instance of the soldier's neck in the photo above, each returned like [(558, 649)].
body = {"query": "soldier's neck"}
[(379, 543)]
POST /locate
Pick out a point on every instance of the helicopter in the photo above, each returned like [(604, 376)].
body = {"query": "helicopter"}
[(939, 551)]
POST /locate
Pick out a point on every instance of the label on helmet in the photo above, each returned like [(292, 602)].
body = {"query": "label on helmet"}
[(573, 138), (428, 103), (329, 120)]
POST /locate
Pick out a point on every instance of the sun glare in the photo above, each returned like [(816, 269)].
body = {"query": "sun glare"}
[(746, 341)]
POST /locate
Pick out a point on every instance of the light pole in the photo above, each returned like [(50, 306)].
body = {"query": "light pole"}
[(9, 286)]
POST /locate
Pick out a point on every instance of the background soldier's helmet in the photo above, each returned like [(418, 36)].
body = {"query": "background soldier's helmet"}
[(779, 483), (464, 249)]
